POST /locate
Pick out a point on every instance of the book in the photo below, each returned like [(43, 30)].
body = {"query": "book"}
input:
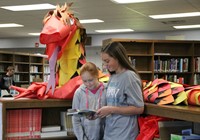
[(54, 134), (51, 128), (162, 54), (23, 124), (63, 120), (84, 112), (66, 123)]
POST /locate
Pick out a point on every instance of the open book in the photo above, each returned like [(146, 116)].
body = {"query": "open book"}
[(85, 112)]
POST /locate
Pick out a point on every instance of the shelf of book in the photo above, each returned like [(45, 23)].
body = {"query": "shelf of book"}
[(27, 66), (52, 108), (49, 115), (172, 59)]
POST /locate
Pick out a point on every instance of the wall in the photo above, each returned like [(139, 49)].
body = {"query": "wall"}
[(93, 55), (93, 51), (175, 35), (97, 39)]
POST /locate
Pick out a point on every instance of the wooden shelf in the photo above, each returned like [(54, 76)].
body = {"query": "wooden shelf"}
[(50, 110), (10, 103), (187, 113), (147, 55), (24, 65)]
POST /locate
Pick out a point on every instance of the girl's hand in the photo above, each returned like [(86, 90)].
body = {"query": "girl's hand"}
[(92, 117), (105, 111)]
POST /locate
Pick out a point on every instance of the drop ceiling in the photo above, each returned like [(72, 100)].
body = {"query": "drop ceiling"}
[(115, 16)]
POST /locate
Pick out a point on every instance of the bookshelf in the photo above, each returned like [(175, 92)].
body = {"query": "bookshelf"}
[(5, 61), (184, 113), (51, 109), (27, 66), (172, 60)]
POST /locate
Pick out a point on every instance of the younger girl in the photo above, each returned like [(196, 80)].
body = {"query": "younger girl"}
[(90, 95)]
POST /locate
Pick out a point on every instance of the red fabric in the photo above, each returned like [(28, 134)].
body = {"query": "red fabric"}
[(191, 97), (54, 30), (32, 91), (37, 90), (149, 127), (55, 33), (67, 90)]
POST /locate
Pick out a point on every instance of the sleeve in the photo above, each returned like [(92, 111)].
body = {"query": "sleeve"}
[(133, 90), (103, 102), (13, 83), (76, 120), (2, 83)]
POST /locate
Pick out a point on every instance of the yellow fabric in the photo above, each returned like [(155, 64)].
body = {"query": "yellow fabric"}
[(187, 92), (147, 85), (104, 79), (173, 85), (182, 96), (69, 59), (151, 88)]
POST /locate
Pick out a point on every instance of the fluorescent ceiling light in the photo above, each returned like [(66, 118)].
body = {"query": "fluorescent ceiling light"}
[(29, 7), (114, 30), (91, 21), (177, 15), (132, 1), (34, 34), (7, 25), (187, 26)]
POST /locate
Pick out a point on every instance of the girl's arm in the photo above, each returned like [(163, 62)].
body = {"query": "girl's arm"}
[(123, 110)]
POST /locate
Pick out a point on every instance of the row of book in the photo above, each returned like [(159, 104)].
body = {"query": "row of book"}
[(197, 64), (171, 65), (46, 78), (172, 78), (46, 69), (2, 68), (167, 65), (16, 77), (63, 130), (132, 60), (34, 69), (196, 79), (26, 124), (32, 77), (178, 79), (23, 124)]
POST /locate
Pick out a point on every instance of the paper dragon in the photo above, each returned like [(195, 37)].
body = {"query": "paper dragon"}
[(65, 39), (160, 91)]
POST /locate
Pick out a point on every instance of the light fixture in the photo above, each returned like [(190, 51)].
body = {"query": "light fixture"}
[(91, 21), (132, 1), (34, 34), (187, 26), (114, 30), (176, 15), (7, 25), (29, 7)]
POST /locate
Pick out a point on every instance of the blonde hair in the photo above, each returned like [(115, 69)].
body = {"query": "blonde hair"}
[(91, 68)]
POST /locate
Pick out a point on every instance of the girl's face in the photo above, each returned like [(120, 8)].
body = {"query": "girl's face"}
[(91, 82), (111, 64)]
